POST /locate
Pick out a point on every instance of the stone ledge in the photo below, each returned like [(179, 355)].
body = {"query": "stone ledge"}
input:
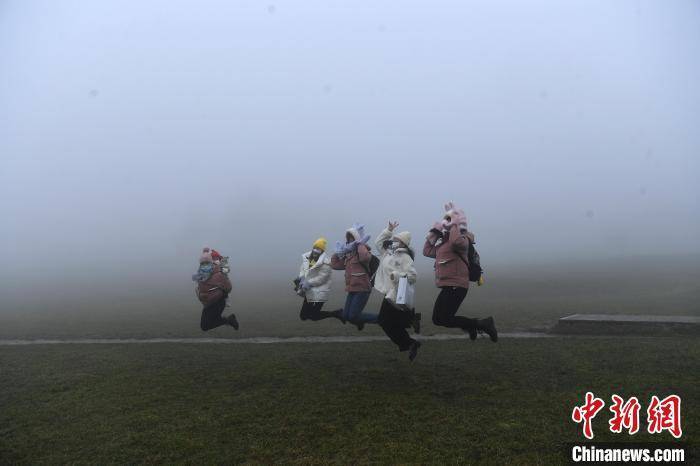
[(620, 324)]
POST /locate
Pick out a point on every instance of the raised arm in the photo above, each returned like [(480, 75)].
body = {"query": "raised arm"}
[(383, 236), (363, 254), (435, 233), (429, 249), (458, 241), (337, 262)]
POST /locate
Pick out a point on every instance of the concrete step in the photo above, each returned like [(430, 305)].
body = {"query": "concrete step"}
[(620, 324)]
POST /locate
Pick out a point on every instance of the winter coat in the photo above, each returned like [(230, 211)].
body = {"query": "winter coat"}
[(216, 287), (450, 254), (397, 262), (317, 276), (356, 265)]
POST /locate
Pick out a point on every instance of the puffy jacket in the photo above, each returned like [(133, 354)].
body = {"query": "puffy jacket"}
[(355, 265), (450, 254), (398, 262), (216, 287), (317, 276)]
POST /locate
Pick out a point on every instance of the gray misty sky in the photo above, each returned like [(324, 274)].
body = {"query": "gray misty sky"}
[(137, 132)]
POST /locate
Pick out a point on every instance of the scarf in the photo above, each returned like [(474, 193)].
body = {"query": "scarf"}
[(203, 273)]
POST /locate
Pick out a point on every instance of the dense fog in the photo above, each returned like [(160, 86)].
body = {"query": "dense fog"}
[(132, 134)]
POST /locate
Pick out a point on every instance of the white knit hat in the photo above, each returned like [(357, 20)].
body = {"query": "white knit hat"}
[(404, 237)]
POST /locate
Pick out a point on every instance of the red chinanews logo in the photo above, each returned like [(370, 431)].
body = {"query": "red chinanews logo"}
[(662, 415)]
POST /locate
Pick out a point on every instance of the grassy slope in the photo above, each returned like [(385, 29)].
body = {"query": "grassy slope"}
[(460, 401)]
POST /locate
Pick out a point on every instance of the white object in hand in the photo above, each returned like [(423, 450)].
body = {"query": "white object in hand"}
[(405, 294)]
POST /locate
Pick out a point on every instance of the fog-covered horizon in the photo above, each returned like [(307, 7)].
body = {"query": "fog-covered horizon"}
[(134, 133)]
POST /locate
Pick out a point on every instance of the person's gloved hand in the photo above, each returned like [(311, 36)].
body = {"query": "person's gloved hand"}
[(360, 229), (435, 231), (363, 240), (305, 285), (345, 248)]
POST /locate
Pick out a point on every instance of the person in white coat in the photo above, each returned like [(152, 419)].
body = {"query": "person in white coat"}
[(314, 282), (396, 261)]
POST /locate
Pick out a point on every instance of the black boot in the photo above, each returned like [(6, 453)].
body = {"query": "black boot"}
[(232, 321), (413, 350), (472, 329), (488, 326), (415, 323), (360, 325)]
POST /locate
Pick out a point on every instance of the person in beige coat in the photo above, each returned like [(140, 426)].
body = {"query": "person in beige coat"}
[(396, 261)]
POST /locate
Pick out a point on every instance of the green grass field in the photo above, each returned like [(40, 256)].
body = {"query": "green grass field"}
[(460, 402), (505, 403)]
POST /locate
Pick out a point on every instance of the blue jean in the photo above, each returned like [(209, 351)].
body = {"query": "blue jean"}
[(354, 304)]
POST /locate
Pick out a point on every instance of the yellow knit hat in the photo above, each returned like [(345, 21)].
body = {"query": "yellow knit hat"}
[(321, 243)]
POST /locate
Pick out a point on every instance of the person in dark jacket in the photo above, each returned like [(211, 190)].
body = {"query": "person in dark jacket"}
[(447, 243), (213, 287)]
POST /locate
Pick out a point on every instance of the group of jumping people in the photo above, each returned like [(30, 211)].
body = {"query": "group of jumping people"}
[(448, 242)]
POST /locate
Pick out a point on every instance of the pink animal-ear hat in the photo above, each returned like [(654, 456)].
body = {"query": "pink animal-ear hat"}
[(452, 215)]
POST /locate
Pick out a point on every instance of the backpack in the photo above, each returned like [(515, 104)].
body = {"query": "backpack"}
[(372, 269), (473, 264)]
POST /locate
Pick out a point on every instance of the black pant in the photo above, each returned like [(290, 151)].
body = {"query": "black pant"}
[(394, 322), (312, 311), (446, 306), (211, 315)]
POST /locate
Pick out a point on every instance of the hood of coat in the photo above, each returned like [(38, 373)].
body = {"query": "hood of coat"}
[(354, 233)]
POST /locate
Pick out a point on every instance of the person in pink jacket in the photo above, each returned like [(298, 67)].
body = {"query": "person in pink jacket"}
[(213, 288), (448, 243), (354, 256)]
